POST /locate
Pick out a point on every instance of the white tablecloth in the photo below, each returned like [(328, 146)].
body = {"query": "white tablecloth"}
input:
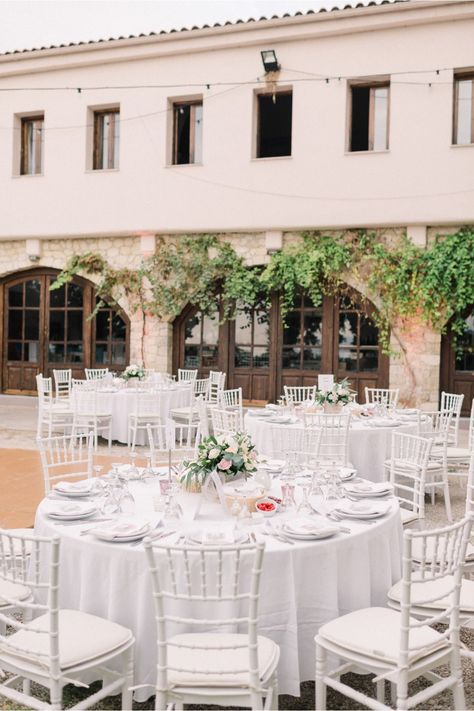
[(303, 585), (369, 446), (123, 403)]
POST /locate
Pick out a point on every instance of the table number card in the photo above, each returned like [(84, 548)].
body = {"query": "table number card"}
[(325, 382)]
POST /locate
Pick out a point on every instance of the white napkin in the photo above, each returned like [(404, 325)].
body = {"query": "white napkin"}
[(307, 527), (121, 529), (69, 508), (218, 534), (346, 472), (74, 486), (365, 508), (362, 486)]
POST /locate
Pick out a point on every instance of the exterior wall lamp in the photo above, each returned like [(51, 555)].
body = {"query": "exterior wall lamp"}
[(270, 62)]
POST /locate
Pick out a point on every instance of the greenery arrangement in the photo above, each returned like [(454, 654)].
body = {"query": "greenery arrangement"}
[(339, 394), (230, 455), (133, 371), (434, 285)]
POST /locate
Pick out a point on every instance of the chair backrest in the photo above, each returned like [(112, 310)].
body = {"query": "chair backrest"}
[(334, 441), (91, 403), (201, 386), (201, 409), (296, 394), (408, 464), (41, 576), (45, 391), (201, 587), (187, 374), (382, 396), (216, 386), (470, 486), (65, 457), (62, 382), (288, 443), (453, 402), (231, 398), (95, 373), (146, 404), (78, 384), (225, 421), (435, 425), (440, 555), (173, 441)]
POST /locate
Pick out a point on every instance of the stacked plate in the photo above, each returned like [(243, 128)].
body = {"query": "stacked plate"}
[(364, 489), (260, 412), (121, 531), (75, 489), (307, 529), (346, 473), (385, 423), (272, 465), (70, 510), (363, 510), (283, 420), (217, 536)]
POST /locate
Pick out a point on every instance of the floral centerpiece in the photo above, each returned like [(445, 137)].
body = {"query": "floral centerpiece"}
[(133, 371), (232, 456), (334, 398)]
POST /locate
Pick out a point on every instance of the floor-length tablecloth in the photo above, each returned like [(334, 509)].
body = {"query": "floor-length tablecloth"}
[(369, 446), (303, 586), (123, 403)]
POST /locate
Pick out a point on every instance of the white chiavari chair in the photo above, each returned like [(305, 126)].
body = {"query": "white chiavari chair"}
[(80, 384), (333, 449), (203, 416), (436, 427), (434, 553), (188, 413), (297, 394), (15, 551), (406, 470), (233, 400), (458, 458), (289, 444), (225, 422), (145, 410), (452, 402), (62, 383), (396, 645), (213, 592), (65, 457), (172, 443), (92, 411), (388, 397), (95, 373), (216, 386), (186, 375), (55, 647), (52, 415)]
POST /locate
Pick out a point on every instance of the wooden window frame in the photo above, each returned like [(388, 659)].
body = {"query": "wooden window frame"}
[(28, 122), (110, 341), (460, 76), (177, 105), (98, 136), (372, 86)]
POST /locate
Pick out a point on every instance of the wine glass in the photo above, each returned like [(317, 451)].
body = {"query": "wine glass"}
[(304, 507), (133, 469), (126, 501)]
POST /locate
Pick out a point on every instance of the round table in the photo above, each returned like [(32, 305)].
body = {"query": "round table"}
[(369, 446), (303, 585), (123, 403)]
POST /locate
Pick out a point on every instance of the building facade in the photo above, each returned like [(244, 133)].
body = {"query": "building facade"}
[(366, 122)]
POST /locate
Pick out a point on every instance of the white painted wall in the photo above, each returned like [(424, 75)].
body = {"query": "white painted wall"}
[(413, 183)]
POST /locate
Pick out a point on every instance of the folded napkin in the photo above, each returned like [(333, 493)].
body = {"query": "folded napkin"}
[(219, 534), (307, 527), (346, 472), (362, 486), (121, 529), (69, 508), (74, 486), (365, 508)]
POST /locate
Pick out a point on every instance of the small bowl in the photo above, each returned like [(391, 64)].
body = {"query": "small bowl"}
[(265, 501)]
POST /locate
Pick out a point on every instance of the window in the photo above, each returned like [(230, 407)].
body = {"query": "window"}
[(465, 346), (302, 336), (66, 319), (110, 338), (274, 124), (358, 340), (187, 133), (369, 117), (201, 341), (252, 338), (106, 139), (463, 110), (31, 159)]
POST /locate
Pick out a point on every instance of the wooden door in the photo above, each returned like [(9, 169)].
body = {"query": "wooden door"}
[(457, 364), (199, 341), (23, 328)]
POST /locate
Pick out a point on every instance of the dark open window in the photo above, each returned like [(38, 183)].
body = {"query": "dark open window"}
[(106, 139), (274, 124), (463, 129), (110, 338), (187, 133), (369, 117), (31, 159)]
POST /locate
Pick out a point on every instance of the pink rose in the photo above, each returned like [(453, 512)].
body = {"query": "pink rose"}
[(224, 464)]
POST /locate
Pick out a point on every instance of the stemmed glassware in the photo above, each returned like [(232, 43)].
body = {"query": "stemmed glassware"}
[(133, 469)]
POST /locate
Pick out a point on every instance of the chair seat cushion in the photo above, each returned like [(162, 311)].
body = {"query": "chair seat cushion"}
[(458, 453), (375, 632), (436, 589), (401, 466), (408, 516), (12, 591), (184, 412), (82, 637), (201, 666)]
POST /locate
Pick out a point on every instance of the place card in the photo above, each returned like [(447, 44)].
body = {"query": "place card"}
[(325, 382)]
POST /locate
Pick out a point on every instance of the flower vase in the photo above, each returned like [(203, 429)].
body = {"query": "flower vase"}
[(332, 408)]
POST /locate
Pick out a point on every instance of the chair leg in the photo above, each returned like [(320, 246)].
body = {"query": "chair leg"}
[(161, 700), (320, 690), (127, 695), (55, 694), (456, 671), (447, 499), (380, 687), (272, 699), (26, 687), (402, 691)]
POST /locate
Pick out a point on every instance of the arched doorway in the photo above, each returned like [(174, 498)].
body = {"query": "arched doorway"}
[(43, 329), (457, 363), (261, 354)]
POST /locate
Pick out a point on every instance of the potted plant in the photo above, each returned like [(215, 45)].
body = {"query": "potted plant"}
[(334, 399), (232, 456)]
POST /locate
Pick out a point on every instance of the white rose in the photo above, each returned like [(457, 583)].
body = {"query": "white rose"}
[(213, 453), (343, 391)]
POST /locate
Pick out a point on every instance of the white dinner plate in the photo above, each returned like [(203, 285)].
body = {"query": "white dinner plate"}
[(196, 537), (70, 511), (74, 490), (308, 530), (361, 510), (112, 534)]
